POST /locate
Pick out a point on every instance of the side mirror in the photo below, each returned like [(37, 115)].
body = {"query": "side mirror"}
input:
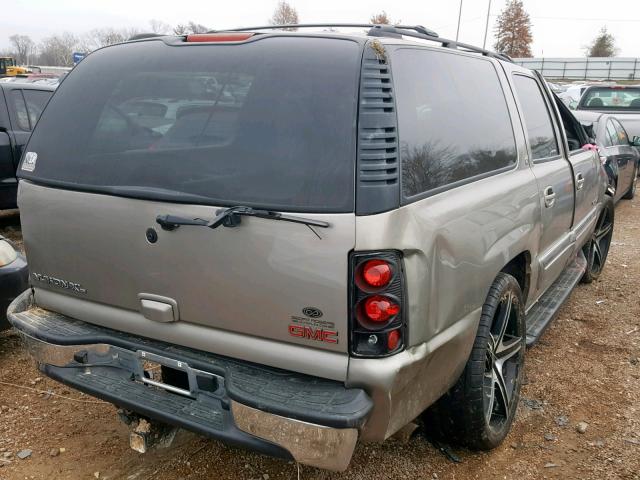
[(636, 141)]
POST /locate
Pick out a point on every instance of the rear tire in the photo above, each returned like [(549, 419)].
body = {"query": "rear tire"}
[(634, 183), (597, 248), (479, 409)]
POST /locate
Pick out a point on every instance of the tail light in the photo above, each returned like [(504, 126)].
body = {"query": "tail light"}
[(378, 299)]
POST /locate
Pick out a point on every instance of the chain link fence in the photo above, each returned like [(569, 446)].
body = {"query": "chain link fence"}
[(589, 68)]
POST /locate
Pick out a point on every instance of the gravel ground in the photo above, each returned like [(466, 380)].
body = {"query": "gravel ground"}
[(586, 369)]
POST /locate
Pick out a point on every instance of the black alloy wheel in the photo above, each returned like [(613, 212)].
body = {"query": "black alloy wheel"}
[(597, 248)]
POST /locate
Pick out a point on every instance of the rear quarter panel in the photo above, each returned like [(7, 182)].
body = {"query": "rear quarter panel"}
[(455, 243)]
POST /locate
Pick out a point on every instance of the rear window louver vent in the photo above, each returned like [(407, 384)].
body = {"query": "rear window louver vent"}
[(378, 165)]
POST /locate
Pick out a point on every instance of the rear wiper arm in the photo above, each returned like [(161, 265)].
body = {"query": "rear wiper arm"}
[(231, 217)]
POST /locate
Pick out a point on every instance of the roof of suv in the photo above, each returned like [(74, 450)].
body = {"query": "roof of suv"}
[(386, 34)]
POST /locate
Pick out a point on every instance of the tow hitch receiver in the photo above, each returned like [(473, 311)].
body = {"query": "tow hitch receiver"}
[(145, 434)]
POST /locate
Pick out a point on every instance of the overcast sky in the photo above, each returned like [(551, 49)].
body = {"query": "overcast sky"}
[(560, 27)]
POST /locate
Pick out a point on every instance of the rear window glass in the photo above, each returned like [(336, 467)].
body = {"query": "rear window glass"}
[(616, 98), (269, 123)]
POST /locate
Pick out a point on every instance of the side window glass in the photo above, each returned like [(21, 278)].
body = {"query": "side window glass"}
[(612, 134), (542, 138), (36, 100), (20, 110), (623, 138), (453, 119)]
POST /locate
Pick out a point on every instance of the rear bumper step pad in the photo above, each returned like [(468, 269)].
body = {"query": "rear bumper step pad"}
[(107, 364)]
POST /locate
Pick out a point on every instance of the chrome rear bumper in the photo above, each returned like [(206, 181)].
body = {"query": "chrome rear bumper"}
[(117, 374)]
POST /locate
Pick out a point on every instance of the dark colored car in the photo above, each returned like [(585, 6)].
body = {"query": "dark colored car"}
[(14, 277), (20, 107), (619, 157)]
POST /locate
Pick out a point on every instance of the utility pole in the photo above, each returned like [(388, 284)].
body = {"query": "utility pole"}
[(486, 27), (459, 17)]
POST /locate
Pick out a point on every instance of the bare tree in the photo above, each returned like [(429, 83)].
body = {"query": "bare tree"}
[(102, 37), (58, 50), (197, 28), (180, 29), (604, 45), (380, 19), (513, 31), (159, 27), (191, 27), (24, 48), (284, 14)]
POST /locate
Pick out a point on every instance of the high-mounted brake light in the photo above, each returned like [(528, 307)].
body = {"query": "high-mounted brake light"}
[(376, 273), (219, 37)]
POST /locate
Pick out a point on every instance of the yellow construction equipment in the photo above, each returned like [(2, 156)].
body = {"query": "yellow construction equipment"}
[(9, 68)]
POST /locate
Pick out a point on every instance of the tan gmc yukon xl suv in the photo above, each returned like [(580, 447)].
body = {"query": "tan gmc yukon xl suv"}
[(295, 241)]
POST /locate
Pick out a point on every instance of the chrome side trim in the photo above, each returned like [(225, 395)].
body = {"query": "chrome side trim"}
[(308, 443)]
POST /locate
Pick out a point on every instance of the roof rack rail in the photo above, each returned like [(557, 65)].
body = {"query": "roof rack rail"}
[(141, 36), (382, 30)]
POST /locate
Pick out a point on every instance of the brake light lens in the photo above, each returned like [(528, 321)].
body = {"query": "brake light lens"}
[(378, 304), (377, 273), (393, 340), (380, 309), (219, 37)]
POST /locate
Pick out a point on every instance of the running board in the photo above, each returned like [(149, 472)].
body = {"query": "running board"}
[(545, 310)]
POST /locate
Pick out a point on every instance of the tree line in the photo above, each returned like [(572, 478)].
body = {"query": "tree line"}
[(513, 36)]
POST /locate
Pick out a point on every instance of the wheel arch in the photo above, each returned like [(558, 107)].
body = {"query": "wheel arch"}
[(520, 268)]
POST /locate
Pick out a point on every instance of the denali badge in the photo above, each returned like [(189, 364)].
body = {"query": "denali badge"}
[(59, 283)]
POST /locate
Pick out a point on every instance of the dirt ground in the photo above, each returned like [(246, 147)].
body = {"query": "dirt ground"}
[(586, 368)]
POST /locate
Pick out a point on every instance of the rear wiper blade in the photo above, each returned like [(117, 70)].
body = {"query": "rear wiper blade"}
[(231, 217)]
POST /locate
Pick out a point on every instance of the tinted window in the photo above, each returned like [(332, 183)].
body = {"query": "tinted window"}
[(611, 134), (623, 138), (611, 98), (542, 139), (269, 123), (36, 101), (20, 111), (452, 117)]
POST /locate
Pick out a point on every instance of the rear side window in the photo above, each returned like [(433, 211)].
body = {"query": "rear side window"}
[(542, 139), (453, 119), (267, 123), (611, 135), (623, 138), (19, 109), (36, 101)]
